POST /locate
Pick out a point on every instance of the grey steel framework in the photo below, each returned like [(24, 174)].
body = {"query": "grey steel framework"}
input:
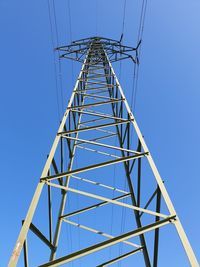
[(98, 121)]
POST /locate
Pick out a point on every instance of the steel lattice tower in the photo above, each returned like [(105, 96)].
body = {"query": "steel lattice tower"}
[(99, 132)]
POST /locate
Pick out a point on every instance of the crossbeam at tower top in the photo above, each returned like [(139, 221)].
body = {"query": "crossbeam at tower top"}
[(115, 50)]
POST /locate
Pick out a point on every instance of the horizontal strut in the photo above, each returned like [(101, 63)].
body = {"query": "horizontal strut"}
[(106, 199), (93, 206), (98, 232), (97, 103), (108, 243), (92, 167), (99, 184), (93, 127), (121, 257), (82, 141)]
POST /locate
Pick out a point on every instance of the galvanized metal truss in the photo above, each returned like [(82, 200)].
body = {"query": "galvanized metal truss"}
[(97, 111)]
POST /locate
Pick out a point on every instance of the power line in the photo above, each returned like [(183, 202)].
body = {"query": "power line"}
[(124, 14), (55, 21), (70, 36), (136, 66), (70, 22), (97, 17), (54, 58), (58, 54)]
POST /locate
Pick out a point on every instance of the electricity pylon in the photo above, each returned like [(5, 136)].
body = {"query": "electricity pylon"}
[(98, 135)]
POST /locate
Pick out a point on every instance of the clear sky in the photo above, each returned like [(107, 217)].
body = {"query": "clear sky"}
[(167, 104)]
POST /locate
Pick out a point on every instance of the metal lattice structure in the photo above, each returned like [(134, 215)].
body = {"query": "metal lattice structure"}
[(99, 132)]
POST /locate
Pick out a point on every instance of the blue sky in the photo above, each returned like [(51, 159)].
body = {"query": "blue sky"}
[(167, 105)]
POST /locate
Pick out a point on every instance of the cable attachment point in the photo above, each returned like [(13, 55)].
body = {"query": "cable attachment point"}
[(137, 55)]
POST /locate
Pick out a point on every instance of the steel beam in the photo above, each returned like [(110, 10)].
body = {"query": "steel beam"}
[(97, 151), (98, 114), (82, 141), (156, 237), (25, 247), (106, 199), (99, 184), (95, 104), (122, 257), (91, 167), (108, 243), (92, 127), (93, 206), (98, 232), (37, 232)]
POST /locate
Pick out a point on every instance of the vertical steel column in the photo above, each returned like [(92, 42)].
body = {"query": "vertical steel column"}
[(25, 248), (156, 236), (139, 176)]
